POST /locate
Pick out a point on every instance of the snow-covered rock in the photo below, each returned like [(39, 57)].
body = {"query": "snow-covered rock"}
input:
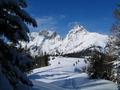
[(76, 40)]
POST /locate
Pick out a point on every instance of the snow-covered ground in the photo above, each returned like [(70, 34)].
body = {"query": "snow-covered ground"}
[(67, 74)]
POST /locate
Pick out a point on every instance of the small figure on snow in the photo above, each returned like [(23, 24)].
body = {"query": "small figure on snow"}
[(58, 62), (73, 64), (76, 62)]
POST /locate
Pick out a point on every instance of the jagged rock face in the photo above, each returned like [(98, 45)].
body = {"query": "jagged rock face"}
[(76, 40), (48, 34)]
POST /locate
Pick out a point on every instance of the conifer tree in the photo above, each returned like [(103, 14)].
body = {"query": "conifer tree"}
[(13, 28), (114, 44), (101, 65)]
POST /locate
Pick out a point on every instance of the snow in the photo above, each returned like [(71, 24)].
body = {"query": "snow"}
[(43, 42), (81, 40), (77, 39), (61, 75)]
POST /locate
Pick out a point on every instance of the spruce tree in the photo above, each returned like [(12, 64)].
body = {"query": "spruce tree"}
[(13, 28), (114, 43), (101, 65)]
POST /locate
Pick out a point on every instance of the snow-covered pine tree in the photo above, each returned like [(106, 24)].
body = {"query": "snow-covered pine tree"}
[(13, 64), (115, 44), (95, 67), (100, 66)]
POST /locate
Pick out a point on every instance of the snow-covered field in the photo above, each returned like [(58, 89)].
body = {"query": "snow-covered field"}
[(67, 74)]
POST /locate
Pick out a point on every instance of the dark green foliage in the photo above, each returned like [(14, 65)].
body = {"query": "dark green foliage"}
[(100, 65), (40, 61), (28, 68), (13, 62), (117, 12), (114, 44)]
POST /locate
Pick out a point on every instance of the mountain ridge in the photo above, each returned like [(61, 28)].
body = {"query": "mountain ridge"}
[(77, 39)]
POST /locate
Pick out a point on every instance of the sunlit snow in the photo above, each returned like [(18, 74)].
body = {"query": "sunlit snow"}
[(61, 75)]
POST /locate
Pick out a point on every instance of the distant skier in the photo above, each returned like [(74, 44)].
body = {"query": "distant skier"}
[(58, 62), (73, 64), (76, 62), (85, 61)]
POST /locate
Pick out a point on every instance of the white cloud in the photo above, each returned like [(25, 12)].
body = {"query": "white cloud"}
[(47, 22)]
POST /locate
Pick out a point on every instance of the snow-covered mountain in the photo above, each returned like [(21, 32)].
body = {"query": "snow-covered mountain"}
[(79, 38), (76, 40)]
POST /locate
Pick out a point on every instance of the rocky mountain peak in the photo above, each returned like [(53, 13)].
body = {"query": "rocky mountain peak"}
[(76, 40), (48, 34), (78, 28)]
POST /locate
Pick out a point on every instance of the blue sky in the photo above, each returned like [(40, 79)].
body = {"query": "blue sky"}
[(59, 15)]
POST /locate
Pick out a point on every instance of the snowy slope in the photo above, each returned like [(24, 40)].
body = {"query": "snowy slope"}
[(81, 85), (61, 75), (43, 42), (76, 40), (79, 38), (60, 67)]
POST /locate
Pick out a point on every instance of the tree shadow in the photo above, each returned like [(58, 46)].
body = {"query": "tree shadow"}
[(78, 83)]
